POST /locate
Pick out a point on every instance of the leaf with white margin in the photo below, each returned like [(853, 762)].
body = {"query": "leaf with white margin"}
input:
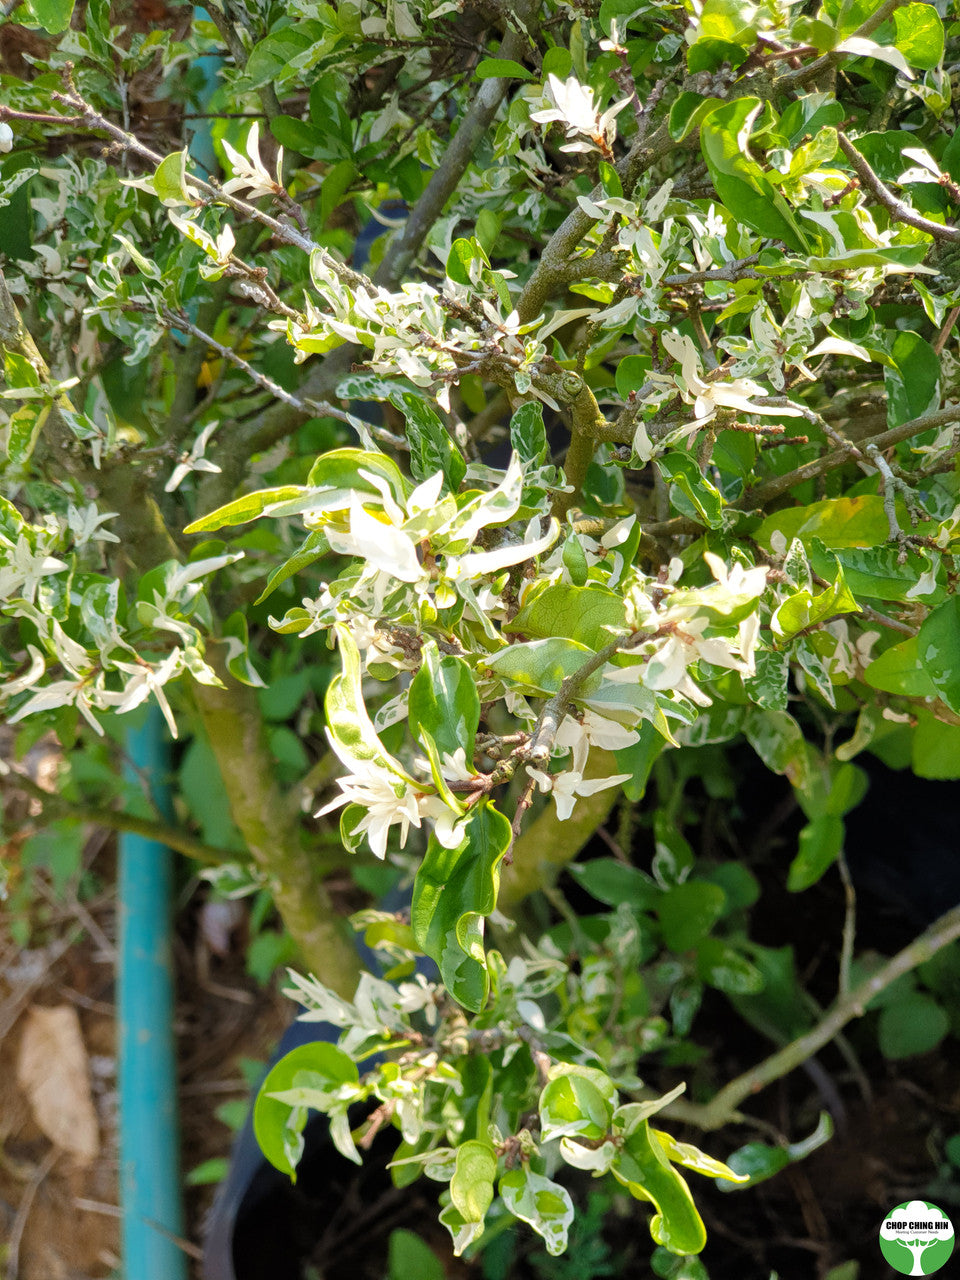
[(544, 1204), (862, 48), (692, 1157)]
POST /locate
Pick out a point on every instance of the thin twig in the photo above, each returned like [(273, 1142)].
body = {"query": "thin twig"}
[(537, 751), (313, 407), (941, 339), (446, 178), (54, 807), (849, 926), (802, 75), (723, 1105), (897, 208), (23, 1211)]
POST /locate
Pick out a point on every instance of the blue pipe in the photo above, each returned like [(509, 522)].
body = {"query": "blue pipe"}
[(149, 1133), (150, 1201)]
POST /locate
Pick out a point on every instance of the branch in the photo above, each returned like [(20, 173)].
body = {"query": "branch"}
[(446, 178), (90, 118), (741, 269), (721, 1108), (778, 485), (802, 75), (271, 831), (309, 408), (554, 260), (897, 208), (55, 808), (537, 750)]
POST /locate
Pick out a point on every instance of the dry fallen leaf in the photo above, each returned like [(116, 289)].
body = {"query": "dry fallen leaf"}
[(52, 1071)]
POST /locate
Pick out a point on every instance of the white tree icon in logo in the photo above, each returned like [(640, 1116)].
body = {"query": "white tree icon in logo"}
[(916, 1227)]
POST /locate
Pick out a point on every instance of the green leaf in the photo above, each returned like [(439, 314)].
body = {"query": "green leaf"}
[(471, 1187), (341, 469), (273, 55), (578, 613), (899, 670), (466, 261), (694, 495), (768, 688), (807, 115), (431, 449), (335, 186), (643, 1168), (870, 571), (544, 1205), (170, 180), (722, 966), (576, 1102), (804, 610), (409, 1256), (820, 842), (278, 1125), (239, 663), (911, 1026), (913, 386), (613, 883), (779, 1010), (692, 1157), (528, 435), (739, 181), (557, 62), (313, 548), (53, 15), (298, 135), (688, 912), (540, 666), (936, 748), (938, 646), (347, 718), (492, 68), (246, 508), (444, 701), (919, 35), (453, 891), (686, 113), (838, 522)]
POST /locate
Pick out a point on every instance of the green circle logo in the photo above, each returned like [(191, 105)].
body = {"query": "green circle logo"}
[(916, 1238)]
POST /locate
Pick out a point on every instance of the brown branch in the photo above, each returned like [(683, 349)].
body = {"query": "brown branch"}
[(792, 80), (898, 209), (446, 178), (54, 808)]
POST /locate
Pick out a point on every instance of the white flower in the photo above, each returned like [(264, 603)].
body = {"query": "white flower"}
[(379, 542), (387, 798), (708, 397), (448, 826), (24, 569), (84, 524), (60, 693), (6, 138), (194, 460), (592, 730), (249, 170), (145, 680), (570, 784), (576, 110)]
